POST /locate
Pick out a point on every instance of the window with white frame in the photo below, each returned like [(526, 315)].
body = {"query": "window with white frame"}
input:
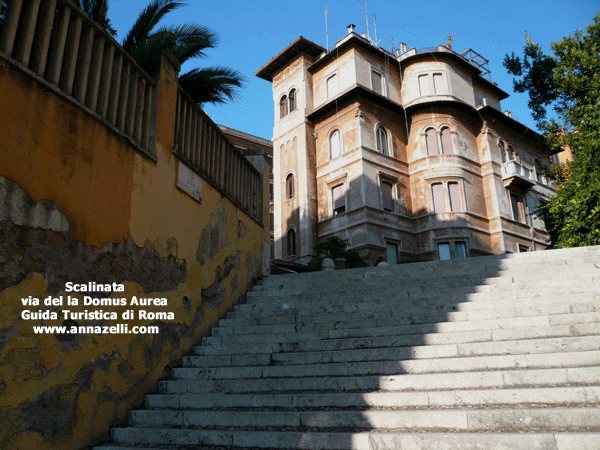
[(335, 144), (382, 141)]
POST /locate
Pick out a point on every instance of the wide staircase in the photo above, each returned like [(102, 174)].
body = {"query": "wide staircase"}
[(499, 352)]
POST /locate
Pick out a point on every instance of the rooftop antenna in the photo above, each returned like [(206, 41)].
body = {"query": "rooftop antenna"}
[(377, 41), (367, 18), (326, 29)]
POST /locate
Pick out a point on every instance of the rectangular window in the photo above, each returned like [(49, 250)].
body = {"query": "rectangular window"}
[(339, 199), (438, 84), (444, 251), (333, 86), (376, 83), (424, 85), (437, 191), (523, 248), (516, 201), (391, 252), (461, 249), (454, 197), (387, 196)]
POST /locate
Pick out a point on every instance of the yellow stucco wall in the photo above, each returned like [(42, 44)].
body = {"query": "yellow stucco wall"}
[(122, 207)]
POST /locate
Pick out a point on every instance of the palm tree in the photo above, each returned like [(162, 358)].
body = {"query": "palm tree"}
[(97, 10), (145, 43)]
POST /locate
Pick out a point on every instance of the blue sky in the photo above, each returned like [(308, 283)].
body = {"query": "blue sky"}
[(251, 33)]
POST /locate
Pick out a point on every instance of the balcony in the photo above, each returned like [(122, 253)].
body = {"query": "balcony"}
[(517, 175)]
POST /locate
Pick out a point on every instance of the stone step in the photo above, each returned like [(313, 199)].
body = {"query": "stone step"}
[(582, 352), (424, 313), (341, 287), (379, 329), (409, 287), (555, 396), (303, 305), (271, 439), (382, 317), (395, 347), (505, 378), (482, 266), (274, 440), (437, 313), (506, 419)]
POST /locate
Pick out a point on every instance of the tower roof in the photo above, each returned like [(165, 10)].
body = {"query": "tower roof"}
[(300, 45)]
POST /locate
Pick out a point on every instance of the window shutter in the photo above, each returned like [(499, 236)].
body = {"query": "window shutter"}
[(376, 82), (447, 142), (454, 197), (432, 146), (439, 205), (333, 86), (335, 143), (438, 84), (339, 199), (424, 85), (386, 194)]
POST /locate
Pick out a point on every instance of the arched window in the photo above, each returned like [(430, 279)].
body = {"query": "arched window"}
[(447, 148), (283, 106), (335, 144), (292, 100), (503, 151), (511, 153), (291, 242), (432, 144), (382, 141), (289, 187), (539, 171)]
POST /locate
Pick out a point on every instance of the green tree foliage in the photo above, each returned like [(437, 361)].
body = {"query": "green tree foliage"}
[(334, 247), (572, 88), (145, 42)]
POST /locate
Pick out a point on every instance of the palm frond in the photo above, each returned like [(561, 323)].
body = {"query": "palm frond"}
[(212, 84), (147, 21), (97, 10)]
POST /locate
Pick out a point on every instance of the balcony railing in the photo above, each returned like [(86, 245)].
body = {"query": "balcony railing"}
[(514, 173), (201, 145), (56, 41)]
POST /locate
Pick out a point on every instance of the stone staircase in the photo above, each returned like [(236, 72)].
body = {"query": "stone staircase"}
[(499, 352)]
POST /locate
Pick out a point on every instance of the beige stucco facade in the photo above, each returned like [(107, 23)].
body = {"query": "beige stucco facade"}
[(404, 156)]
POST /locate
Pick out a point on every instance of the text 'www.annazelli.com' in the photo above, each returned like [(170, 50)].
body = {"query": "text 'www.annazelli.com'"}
[(121, 328)]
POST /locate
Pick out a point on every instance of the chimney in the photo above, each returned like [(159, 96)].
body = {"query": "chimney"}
[(351, 28)]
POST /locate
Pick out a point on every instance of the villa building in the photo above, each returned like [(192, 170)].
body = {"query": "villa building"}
[(404, 155)]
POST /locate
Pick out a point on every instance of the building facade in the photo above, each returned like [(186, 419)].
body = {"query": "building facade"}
[(404, 156)]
